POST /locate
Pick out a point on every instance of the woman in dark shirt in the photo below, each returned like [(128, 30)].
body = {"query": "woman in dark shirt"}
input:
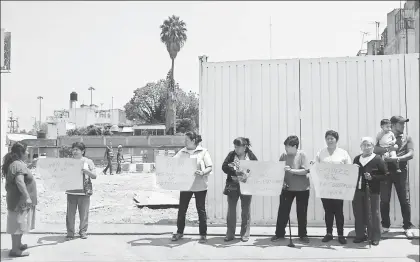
[(21, 198), (372, 170), (232, 190)]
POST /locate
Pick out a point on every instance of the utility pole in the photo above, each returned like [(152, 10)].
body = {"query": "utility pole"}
[(14, 123), (112, 109), (270, 38), (40, 99), (406, 34), (91, 90)]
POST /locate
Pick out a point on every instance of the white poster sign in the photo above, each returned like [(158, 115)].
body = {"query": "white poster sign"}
[(264, 178), (334, 181), (175, 173), (61, 174)]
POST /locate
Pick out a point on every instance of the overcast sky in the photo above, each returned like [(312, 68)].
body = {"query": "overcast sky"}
[(60, 47)]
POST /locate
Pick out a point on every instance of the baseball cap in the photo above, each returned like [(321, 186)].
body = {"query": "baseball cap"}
[(398, 119)]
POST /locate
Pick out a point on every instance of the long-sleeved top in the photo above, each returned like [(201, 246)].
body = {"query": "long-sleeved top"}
[(203, 161), (377, 168), (229, 159)]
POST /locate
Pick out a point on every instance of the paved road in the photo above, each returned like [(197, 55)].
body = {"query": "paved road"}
[(53, 248)]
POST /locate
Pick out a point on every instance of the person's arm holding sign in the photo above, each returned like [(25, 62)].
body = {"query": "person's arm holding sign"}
[(303, 170), (208, 166), (89, 169)]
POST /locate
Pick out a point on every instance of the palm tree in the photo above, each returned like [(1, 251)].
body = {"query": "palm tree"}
[(173, 35)]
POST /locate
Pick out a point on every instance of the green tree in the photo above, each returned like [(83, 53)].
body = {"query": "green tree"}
[(148, 105), (174, 35)]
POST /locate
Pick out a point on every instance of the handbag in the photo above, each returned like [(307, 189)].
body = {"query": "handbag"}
[(87, 185), (230, 187)]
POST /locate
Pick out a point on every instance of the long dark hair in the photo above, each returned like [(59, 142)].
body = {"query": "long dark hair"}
[(16, 153)]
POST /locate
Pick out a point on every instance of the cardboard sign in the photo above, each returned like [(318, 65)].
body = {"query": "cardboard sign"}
[(61, 174), (264, 178), (334, 181), (175, 173)]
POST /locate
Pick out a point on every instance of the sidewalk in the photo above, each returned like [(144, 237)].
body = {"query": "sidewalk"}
[(213, 230), (116, 248)]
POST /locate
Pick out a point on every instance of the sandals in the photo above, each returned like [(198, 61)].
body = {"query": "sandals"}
[(18, 254)]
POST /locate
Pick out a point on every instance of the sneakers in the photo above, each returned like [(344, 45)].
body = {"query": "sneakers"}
[(360, 240), (276, 238), (327, 238), (177, 236), (342, 240), (83, 236), (202, 240), (304, 239), (244, 239), (409, 233), (68, 238), (385, 230), (228, 239)]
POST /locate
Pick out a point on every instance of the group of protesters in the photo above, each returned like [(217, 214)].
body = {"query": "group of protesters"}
[(383, 162)]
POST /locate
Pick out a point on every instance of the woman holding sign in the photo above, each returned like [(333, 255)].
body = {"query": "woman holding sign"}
[(333, 207), (80, 198), (231, 167), (21, 198), (372, 170), (199, 187)]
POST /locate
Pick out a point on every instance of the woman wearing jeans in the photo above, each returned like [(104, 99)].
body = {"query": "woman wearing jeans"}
[(233, 191), (333, 207), (199, 187), (80, 198)]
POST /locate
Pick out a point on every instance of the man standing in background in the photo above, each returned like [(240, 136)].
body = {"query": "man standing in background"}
[(109, 155), (405, 152)]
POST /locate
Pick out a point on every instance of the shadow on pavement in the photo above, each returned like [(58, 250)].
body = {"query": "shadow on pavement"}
[(165, 242), (5, 255), (54, 240), (415, 242), (219, 242), (414, 257)]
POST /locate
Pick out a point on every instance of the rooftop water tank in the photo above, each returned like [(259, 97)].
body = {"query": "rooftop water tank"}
[(73, 96)]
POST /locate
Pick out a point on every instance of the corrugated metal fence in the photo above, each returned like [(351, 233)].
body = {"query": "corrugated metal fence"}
[(271, 99)]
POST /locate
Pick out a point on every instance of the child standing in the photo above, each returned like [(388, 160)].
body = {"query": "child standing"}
[(120, 158), (386, 139)]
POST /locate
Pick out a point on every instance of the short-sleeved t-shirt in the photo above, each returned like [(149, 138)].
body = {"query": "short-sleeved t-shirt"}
[(203, 161), (404, 143), (339, 156), (296, 182), (14, 198)]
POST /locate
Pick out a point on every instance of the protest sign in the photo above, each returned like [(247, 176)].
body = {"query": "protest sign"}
[(334, 181), (175, 173), (61, 174), (264, 178)]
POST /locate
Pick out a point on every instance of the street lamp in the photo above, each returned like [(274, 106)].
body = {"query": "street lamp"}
[(91, 90), (40, 99)]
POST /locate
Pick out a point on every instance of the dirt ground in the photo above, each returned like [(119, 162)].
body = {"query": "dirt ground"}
[(111, 202)]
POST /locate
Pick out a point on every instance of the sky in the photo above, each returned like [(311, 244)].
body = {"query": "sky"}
[(61, 47)]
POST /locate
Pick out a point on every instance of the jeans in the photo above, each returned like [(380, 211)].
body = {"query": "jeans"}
[(233, 198), (334, 208), (74, 202), (402, 188), (200, 203), (361, 216), (109, 165), (118, 167), (286, 200)]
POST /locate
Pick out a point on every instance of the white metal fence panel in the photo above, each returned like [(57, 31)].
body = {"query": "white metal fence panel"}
[(350, 96), (260, 100), (254, 99), (412, 83)]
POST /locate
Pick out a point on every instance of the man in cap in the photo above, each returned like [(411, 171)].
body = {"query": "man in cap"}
[(405, 152)]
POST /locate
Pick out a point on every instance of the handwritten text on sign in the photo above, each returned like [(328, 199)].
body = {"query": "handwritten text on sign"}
[(60, 174), (175, 173), (265, 178), (334, 181)]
